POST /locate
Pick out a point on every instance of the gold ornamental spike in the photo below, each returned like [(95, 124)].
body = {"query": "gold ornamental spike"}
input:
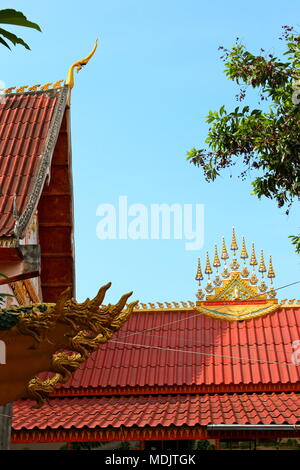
[(271, 273), (21, 89), (224, 254), (57, 84), (9, 90), (78, 65), (244, 253), (34, 87), (199, 275), (262, 266), (46, 86), (253, 260), (233, 245), (216, 262), (208, 269)]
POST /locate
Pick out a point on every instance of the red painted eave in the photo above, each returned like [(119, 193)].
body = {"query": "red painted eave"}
[(10, 255)]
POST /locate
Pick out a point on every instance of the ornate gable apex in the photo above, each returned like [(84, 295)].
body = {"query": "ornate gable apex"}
[(237, 293), (235, 288)]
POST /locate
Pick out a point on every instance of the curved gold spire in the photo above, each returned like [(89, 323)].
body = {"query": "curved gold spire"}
[(233, 245), (244, 254), (199, 275), (253, 260), (79, 64), (208, 269), (271, 273), (224, 254), (262, 266), (216, 262)]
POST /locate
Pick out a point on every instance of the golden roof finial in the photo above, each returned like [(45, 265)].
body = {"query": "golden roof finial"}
[(21, 89), (216, 262), (199, 275), (244, 253), (9, 90), (34, 87), (224, 254), (208, 269), (262, 266), (57, 84), (79, 64), (271, 273), (233, 245), (253, 260), (46, 86)]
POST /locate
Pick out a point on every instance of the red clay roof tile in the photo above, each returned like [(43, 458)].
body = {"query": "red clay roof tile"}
[(164, 356), (164, 410), (25, 121)]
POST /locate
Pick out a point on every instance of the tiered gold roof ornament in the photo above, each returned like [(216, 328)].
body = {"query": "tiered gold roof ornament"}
[(236, 284)]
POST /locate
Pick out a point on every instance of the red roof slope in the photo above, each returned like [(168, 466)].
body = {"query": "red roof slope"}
[(27, 127), (188, 348), (166, 410)]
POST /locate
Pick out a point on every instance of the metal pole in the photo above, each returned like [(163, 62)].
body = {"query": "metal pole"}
[(5, 426)]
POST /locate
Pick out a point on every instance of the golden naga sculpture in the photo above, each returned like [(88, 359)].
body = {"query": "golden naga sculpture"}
[(55, 338), (78, 65)]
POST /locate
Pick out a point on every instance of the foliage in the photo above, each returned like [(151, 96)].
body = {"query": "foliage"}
[(264, 139), (204, 444), (16, 18), (296, 241)]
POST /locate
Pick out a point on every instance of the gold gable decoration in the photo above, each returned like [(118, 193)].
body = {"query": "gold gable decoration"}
[(56, 338), (236, 284)]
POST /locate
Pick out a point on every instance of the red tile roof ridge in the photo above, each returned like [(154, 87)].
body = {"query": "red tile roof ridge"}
[(31, 89)]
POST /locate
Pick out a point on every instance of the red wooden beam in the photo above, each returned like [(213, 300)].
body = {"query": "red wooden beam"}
[(19, 277)]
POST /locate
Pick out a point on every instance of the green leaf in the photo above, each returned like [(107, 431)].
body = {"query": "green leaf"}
[(4, 43), (296, 241), (192, 153), (13, 38), (13, 17)]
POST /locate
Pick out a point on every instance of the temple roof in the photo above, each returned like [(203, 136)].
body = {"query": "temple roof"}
[(187, 348), (30, 123), (172, 374), (29, 127)]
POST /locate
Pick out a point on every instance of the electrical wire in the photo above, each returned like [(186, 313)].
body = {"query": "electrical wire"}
[(196, 343), (202, 353), (197, 314), (195, 352)]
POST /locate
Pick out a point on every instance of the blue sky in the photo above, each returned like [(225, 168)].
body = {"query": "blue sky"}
[(137, 108)]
